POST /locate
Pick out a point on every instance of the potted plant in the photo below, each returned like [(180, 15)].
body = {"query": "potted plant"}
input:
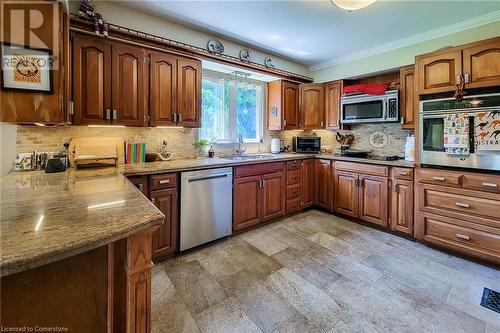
[(201, 147)]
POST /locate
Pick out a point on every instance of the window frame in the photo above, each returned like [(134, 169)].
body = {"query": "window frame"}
[(216, 77)]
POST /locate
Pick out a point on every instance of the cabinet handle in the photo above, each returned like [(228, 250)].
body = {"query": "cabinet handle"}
[(464, 237), (115, 114), (466, 78), (175, 116), (284, 122), (294, 191), (462, 205), (164, 181), (440, 179), (108, 114), (153, 200), (140, 186), (401, 174), (394, 188), (321, 123), (490, 185), (180, 117), (458, 79), (402, 120)]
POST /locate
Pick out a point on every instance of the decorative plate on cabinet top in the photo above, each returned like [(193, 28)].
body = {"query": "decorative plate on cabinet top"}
[(245, 55), (269, 63), (214, 46), (378, 139)]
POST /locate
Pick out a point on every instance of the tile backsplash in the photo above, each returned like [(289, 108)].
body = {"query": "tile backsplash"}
[(395, 145), (179, 141)]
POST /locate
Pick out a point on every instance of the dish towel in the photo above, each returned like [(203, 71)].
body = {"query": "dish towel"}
[(456, 134), (487, 130)]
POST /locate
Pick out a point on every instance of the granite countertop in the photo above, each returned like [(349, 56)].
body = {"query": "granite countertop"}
[(49, 217), (207, 163)]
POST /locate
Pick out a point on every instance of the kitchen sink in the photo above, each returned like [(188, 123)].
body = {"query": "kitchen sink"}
[(248, 157)]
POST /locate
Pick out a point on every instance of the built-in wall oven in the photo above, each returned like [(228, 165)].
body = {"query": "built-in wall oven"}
[(432, 116)]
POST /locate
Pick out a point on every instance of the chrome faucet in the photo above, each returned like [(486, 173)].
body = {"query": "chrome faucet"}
[(260, 142), (240, 151)]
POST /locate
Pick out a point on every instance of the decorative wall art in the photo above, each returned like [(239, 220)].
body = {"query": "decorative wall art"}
[(214, 46), (269, 63), (26, 69), (378, 139), (245, 55)]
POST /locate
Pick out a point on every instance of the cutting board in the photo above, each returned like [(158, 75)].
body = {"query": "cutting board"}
[(101, 147)]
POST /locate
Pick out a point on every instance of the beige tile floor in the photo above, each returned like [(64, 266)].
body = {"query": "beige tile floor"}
[(315, 272)]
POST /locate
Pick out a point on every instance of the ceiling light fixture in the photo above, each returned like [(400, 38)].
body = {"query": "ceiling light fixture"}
[(351, 5)]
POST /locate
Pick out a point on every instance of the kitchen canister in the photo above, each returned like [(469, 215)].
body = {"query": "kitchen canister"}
[(275, 146)]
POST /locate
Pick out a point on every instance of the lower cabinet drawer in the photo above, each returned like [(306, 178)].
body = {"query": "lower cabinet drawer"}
[(293, 177), (293, 205), (461, 204), (462, 236), (293, 191)]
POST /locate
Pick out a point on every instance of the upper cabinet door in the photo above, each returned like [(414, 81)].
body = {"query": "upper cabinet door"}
[(129, 85), (333, 92), (163, 89), (407, 100), (482, 64), (312, 105), (189, 92), (290, 93), (91, 81), (438, 72)]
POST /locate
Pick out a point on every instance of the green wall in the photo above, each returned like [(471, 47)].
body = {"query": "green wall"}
[(403, 56)]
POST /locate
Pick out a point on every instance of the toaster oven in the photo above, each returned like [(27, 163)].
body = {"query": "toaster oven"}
[(306, 144)]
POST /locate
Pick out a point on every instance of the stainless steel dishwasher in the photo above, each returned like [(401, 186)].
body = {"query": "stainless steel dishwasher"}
[(206, 206)]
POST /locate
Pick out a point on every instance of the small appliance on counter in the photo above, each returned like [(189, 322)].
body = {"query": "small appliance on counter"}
[(307, 144), (275, 146)]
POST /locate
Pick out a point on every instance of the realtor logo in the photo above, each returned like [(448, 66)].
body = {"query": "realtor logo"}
[(31, 25)]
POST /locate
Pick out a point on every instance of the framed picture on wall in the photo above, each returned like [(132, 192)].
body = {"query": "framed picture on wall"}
[(26, 69)]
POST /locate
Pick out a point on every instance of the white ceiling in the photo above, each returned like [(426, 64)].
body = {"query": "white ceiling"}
[(317, 33)]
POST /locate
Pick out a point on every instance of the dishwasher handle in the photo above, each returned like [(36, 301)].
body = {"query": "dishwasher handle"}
[(190, 180)]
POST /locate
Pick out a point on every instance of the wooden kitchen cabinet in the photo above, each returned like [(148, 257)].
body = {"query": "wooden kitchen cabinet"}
[(163, 89), (323, 184), (129, 85), (29, 107), (346, 193), (258, 194), (308, 187), (401, 215), (91, 81), (312, 106), (189, 92), (373, 199), (247, 202), (120, 84), (437, 72), (478, 63), (273, 196), (333, 92), (407, 97), (283, 105), (165, 238), (141, 182), (481, 64)]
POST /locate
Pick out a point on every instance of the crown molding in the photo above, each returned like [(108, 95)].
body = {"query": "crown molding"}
[(415, 39)]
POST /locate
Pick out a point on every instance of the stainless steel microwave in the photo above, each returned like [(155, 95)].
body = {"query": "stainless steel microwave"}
[(306, 144), (432, 114), (356, 109)]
